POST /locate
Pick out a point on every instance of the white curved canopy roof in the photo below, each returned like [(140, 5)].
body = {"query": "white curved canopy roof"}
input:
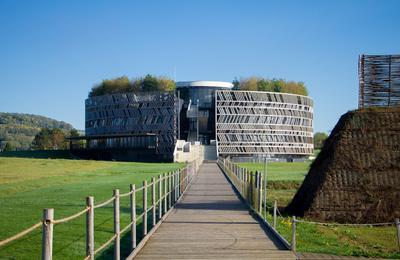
[(201, 83)]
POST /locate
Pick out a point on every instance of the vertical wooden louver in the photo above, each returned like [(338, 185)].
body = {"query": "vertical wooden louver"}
[(379, 77)]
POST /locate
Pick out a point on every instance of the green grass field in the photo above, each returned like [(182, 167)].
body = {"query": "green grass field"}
[(27, 186), (281, 171), (283, 181)]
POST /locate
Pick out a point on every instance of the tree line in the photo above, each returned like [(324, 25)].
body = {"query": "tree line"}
[(47, 139), (156, 83), (270, 85), (124, 85), (17, 131)]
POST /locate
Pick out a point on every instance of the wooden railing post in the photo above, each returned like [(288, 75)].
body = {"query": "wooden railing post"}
[(275, 211), (160, 213), (116, 225), (293, 243), (260, 194), (153, 199), (165, 193), (144, 208), (241, 182), (47, 235), (90, 228), (179, 183), (133, 215), (173, 187), (398, 232), (170, 190)]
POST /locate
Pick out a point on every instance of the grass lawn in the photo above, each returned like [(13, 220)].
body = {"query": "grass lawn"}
[(27, 186), (283, 179), (281, 171), (283, 182), (366, 241)]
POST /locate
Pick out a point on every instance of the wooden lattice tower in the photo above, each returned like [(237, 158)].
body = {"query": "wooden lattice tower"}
[(379, 77)]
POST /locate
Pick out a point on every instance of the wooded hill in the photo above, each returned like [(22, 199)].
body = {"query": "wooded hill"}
[(20, 129)]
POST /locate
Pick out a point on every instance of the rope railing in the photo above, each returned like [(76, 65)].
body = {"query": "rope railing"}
[(20, 234), (104, 203), (345, 224), (249, 185), (72, 217), (171, 186)]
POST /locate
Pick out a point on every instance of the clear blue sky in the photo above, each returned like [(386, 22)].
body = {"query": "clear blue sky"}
[(53, 52)]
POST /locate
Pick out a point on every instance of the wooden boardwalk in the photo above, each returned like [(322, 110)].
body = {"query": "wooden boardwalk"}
[(212, 223)]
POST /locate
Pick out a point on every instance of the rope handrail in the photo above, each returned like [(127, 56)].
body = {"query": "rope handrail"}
[(126, 228), (20, 234), (126, 194), (138, 217), (345, 224), (235, 174), (47, 223), (104, 203), (105, 244), (66, 219), (139, 189)]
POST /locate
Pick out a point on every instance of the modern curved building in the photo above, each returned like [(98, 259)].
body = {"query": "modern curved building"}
[(145, 126), (264, 123)]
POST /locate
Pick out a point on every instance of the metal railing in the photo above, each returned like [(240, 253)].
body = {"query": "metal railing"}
[(251, 188), (169, 186)]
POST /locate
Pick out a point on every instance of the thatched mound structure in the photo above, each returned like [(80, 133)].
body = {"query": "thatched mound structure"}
[(356, 177)]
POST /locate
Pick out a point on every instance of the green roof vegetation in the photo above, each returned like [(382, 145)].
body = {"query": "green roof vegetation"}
[(270, 85), (124, 85)]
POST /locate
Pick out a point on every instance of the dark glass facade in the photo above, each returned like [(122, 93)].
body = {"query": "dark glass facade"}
[(197, 117)]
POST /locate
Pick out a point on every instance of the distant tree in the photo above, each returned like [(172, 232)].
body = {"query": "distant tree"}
[(42, 140), (166, 84), (235, 83), (124, 85), (48, 139), (150, 83), (319, 139), (58, 140), (111, 86), (249, 84), (271, 85), (74, 133), (8, 147)]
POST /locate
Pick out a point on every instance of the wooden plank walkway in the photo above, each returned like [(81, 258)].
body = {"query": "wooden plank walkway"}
[(212, 223)]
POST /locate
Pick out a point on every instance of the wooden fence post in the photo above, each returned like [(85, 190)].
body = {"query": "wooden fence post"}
[(398, 232), (160, 196), (153, 199), (165, 193), (179, 183), (133, 216), (293, 243), (260, 194), (47, 235), (116, 225), (90, 228), (170, 190), (173, 187), (144, 208), (275, 211)]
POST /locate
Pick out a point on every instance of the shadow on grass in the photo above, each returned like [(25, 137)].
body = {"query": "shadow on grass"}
[(39, 154), (125, 241)]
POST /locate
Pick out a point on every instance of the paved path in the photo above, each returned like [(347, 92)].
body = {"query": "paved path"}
[(212, 223)]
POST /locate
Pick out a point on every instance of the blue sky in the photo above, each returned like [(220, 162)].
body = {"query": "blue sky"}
[(53, 52)]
